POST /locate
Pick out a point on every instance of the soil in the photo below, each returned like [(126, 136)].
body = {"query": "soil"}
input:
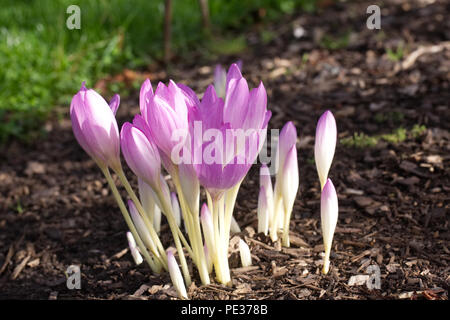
[(56, 209)]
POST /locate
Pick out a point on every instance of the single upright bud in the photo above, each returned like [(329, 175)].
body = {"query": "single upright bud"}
[(329, 215), (246, 257)]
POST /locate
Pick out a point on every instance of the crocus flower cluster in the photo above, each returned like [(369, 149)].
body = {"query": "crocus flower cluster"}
[(209, 143), (325, 145)]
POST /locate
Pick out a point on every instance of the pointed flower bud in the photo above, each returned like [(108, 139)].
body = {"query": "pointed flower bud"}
[(329, 216), (95, 127), (141, 155), (139, 223), (244, 251), (167, 116), (208, 228), (133, 249), (175, 275), (287, 139), (144, 97), (289, 188), (290, 179), (234, 226), (325, 145)]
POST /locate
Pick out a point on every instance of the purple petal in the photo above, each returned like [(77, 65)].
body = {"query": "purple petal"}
[(114, 103), (325, 145), (234, 72), (236, 102), (190, 97), (95, 127), (288, 138), (144, 96), (141, 155), (257, 107)]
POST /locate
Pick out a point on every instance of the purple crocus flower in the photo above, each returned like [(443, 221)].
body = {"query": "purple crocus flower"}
[(167, 115), (141, 155), (325, 145), (238, 125), (286, 144), (145, 95), (95, 127), (287, 139)]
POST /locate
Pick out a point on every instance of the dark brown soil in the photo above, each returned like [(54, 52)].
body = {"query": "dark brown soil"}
[(56, 209)]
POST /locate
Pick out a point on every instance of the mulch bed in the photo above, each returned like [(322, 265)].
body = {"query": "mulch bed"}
[(56, 209)]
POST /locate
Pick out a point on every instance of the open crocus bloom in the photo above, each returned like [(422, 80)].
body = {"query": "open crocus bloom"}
[(210, 143), (95, 127), (234, 130), (225, 137)]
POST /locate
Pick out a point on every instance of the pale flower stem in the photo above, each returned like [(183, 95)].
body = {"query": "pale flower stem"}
[(184, 209), (274, 222), (194, 233), (126, 215), (326, 261), (210, 202), (222, 219), (287, 219), (217, 266), (230, 202), (141, 210), (222, 252), (167, 208)]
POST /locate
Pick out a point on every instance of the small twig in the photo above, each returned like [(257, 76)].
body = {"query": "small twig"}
[(20, 267), (118, 255), (409, 61), (8, 258), (261, 244)]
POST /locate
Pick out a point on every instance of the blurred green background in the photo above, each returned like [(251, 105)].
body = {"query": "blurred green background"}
[(42, 62)]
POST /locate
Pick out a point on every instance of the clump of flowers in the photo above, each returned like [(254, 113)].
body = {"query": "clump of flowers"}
[(208, 143)]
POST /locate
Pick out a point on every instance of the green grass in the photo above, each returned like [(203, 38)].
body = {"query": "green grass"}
[(42, 63), (418, 130), (399, 135), (335, 42), (361, 140), (396, 54), (395, 116)]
